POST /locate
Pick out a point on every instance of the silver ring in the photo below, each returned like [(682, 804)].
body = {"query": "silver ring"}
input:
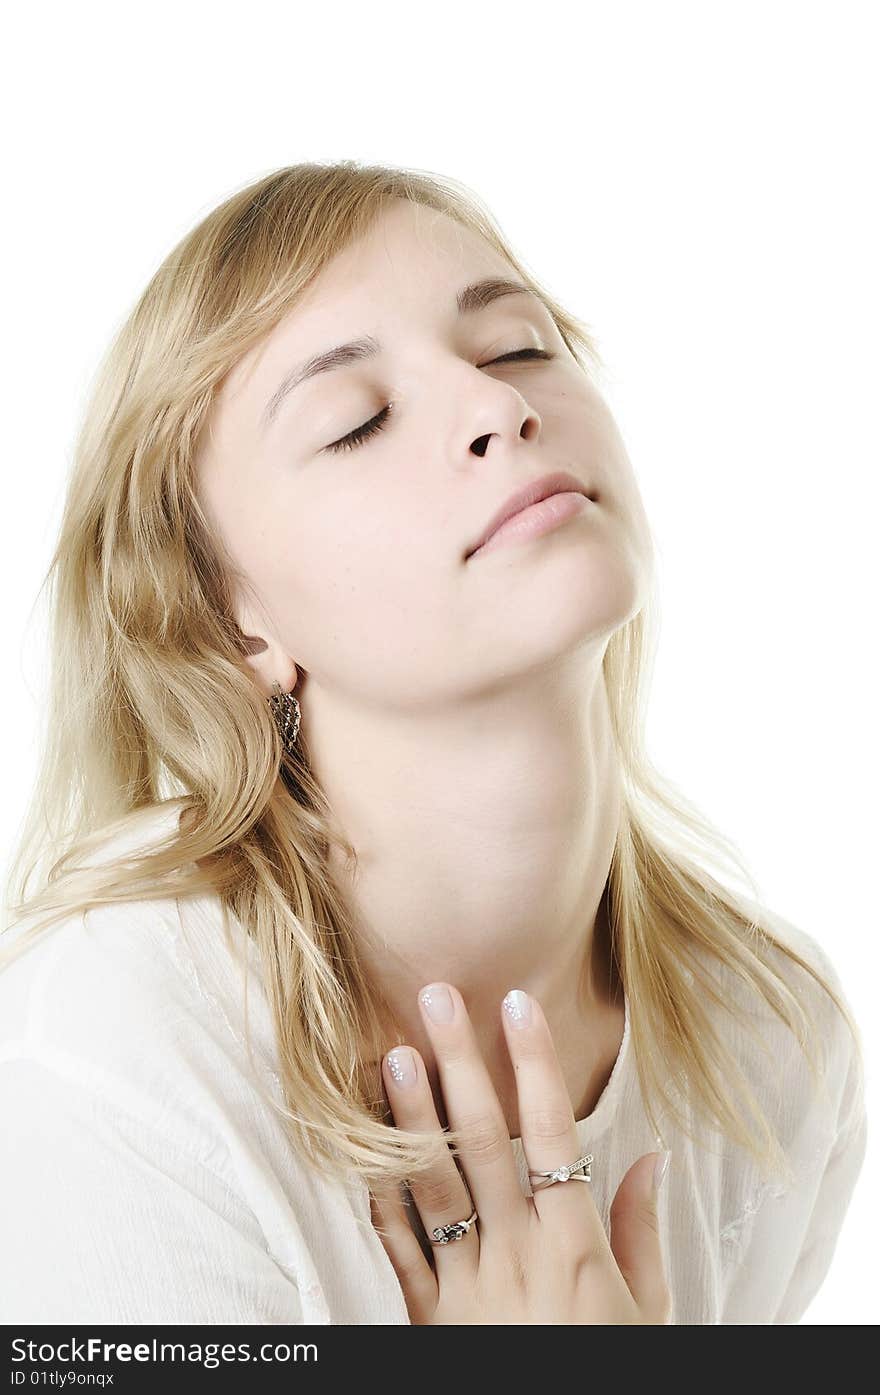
[(454, 1231), (567, 1173)]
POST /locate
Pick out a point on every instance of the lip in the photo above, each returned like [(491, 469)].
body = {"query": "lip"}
[(559, 482)]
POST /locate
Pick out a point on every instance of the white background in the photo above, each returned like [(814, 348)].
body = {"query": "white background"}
[(695, 180)]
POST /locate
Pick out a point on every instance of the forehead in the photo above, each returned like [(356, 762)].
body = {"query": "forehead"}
[(410, 263), (408, 254)]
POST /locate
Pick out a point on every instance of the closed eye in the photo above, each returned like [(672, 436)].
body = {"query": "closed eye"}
[(375, 424), (360, 433)]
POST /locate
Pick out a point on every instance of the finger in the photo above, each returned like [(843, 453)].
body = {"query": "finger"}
[(440, 1194), (547, 1124), (414, 1273), (472, 1106), (635, 1239)]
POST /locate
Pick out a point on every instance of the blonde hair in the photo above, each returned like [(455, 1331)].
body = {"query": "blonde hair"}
[(149, 698)]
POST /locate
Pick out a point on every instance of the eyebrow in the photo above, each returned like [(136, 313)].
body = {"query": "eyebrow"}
[(468, 301)]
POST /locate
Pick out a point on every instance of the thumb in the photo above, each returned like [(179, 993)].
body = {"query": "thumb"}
[(635, 1237)]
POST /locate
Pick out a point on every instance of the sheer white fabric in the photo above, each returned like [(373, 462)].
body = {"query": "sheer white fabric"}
[(145, 1177)]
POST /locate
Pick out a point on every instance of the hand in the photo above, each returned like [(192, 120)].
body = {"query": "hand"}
[(539, 1259)]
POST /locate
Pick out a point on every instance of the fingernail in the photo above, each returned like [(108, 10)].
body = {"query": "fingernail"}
[(518, 1006), (402, 1065), (436, 999), (660, 1168)]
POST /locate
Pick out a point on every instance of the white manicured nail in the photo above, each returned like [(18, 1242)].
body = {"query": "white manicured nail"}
[(518, 1006)]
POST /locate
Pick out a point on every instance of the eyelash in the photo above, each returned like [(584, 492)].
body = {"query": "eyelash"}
[(375, 424)]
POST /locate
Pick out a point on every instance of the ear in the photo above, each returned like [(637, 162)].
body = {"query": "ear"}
[(264, 656)]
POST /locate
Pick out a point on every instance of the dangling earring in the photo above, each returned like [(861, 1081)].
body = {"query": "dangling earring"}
[(286, 711)]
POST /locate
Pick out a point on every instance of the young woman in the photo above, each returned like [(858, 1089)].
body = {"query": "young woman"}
[(386, 980)]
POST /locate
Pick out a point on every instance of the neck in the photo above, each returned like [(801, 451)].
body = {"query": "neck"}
[(484, 847)]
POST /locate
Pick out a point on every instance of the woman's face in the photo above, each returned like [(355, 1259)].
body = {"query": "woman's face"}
[(356, 557)]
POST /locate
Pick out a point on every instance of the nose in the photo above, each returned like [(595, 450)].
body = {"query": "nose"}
[(529, 427)]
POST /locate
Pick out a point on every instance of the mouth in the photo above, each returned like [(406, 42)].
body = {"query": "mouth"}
[(559, 482)]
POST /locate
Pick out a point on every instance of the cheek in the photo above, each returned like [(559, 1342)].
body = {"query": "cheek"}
[(359, 604)]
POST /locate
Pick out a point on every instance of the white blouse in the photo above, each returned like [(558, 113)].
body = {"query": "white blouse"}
[(144, 1178)]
